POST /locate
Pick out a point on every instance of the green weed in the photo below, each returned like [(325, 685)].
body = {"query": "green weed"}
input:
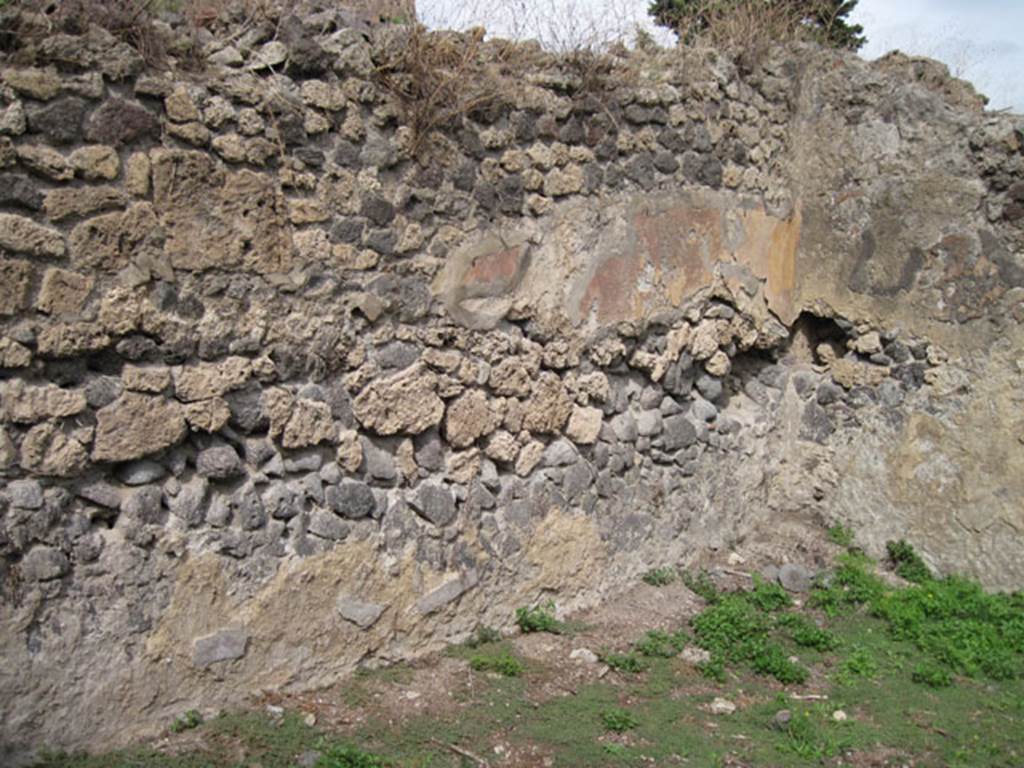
[(768, 596), (658, 644), (660, 577), (841, 535), (931, 674), (701, 584), (187, 721), (349, 757), (859, 664), (619, 720), (806, 633), (907, 563), (810, 735), (624, 662), (484, 636), (540, 618), (953, 621), (735, 631), (850, 585), (504, 664)]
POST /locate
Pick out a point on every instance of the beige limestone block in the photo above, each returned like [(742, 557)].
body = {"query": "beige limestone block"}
[(502, 446), (350, 451), (96, 162), (719, 364), (137, 425), (70, 339), (40, 84), (45, 161), (136, 174), (317, 93), (27, 404), (529, 457), (13, 354), (110, 241), (15, 286), (406, 402), (469, 417), (208, 380), (22, 235), (563, 181), (549, 406), (180, 106), (48, 450), (463, 466), (152, 379), (207, 415), (704, 342), (63, 292), (65, 202), (8, 453), (296, 421), (584, 425)]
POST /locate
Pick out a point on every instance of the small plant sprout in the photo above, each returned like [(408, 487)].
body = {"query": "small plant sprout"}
[(540, 618), (660, 577)]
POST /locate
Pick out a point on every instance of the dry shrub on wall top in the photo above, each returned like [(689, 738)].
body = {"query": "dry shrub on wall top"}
[(140, 23), (132, 21), (438, 78), (746, 29), (560, 26)]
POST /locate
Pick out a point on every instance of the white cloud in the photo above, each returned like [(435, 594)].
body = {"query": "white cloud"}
[(975, 38)]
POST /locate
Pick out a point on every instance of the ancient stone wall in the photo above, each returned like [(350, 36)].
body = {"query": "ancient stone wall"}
[(286, 388)]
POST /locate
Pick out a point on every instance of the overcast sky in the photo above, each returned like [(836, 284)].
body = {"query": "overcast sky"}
[(980, 40)]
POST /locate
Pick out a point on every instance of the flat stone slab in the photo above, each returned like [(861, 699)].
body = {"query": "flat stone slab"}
[(363, 615), (225, 645)]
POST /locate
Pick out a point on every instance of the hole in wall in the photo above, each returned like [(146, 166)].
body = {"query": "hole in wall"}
[(809, 332)]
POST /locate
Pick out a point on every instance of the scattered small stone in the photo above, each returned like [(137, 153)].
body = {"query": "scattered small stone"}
[(363, 615), (796, 578), (840, 716), (691, 654), (584, 655), (720, 706), (25, 494), (140, 472), (218, 462), (781, 719), (225, 645)]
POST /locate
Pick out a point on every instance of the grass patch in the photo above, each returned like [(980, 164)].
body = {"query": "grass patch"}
[(502, 663), (907, 563), (841, 535), (806, 633), (737, 630), (906, 701), (957, 625), (540, 618), (661, 645), (484, 636), (701, 584), (624, 662), (660, 577), (349, 757), (187, 721), (619, 720)]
